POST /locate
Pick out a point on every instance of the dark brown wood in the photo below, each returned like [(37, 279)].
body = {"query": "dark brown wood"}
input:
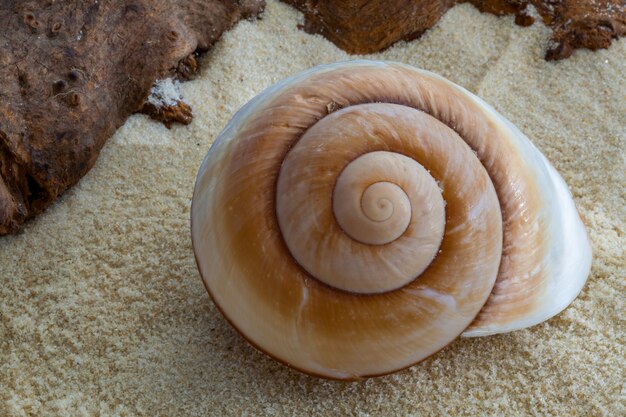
[(366, 26), (71, 72)]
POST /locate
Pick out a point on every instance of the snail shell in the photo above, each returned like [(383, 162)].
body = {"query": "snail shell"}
[(356, 218)]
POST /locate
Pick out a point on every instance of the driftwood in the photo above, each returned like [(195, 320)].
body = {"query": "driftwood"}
[(71, 72), (366, 26)]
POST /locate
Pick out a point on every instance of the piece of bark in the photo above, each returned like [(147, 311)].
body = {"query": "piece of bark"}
[(180, 112), (71, 72), (367, 26), (165, 102)]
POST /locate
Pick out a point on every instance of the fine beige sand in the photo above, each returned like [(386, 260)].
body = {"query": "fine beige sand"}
[(102, 310)]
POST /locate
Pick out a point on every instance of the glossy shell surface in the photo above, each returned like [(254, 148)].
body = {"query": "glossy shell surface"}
[(356, 218)]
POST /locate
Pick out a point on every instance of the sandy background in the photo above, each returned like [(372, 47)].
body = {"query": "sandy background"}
[(102, 310)]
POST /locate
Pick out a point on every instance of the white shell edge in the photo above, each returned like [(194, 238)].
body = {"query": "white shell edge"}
[(570, 255)]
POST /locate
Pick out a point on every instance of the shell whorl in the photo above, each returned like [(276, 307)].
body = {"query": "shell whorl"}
[(375, 217), (356, 242)]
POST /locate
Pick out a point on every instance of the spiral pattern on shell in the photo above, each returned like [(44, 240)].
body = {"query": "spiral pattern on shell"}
[(356, 218)]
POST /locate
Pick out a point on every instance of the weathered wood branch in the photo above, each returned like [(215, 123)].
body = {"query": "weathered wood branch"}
[(71, 72)]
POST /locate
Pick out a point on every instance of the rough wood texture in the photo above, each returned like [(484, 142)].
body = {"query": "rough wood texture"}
[(366, 26), (179, 113), (71, 72)]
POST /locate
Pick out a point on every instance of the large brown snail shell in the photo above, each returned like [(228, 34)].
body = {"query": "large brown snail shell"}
[(356, 218)]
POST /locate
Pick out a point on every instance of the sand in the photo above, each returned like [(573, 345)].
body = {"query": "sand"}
[(103, 311)]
